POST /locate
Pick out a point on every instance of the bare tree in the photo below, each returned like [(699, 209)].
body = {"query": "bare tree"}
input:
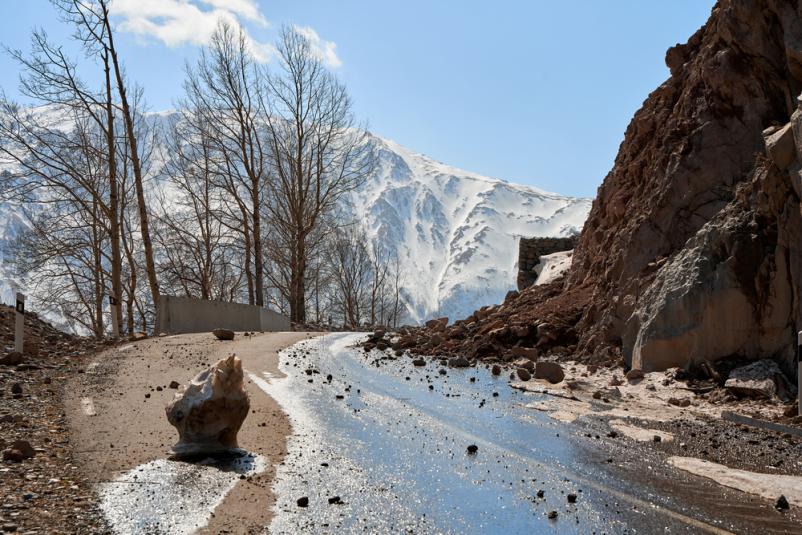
[(380, 267), (64, 172), (136, 301), (318, 154), (225, 92), (395, 306), (364, 282), (51, 78), (350, 266), (94, 29), (200, 251)]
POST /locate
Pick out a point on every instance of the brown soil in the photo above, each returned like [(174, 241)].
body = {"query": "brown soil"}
[(129, 388)]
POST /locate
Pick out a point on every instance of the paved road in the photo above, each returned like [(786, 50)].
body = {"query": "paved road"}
[(389, 440), (117, 419)]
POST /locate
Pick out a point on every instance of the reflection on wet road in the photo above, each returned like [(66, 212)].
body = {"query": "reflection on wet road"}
[(165, 496), (386, 442)]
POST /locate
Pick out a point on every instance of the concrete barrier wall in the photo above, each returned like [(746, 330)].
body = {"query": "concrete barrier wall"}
[(175, 315)]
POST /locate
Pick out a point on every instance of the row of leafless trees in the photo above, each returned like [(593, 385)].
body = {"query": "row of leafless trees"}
[(237, 198), (79, 175)]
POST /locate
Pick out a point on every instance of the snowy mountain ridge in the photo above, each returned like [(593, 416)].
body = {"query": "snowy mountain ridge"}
[(454, 232)]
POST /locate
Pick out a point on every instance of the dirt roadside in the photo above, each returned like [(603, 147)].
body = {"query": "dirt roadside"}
[(116, 413)]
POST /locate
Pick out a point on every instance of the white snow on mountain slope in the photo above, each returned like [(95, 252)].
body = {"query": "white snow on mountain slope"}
[(455, 232), (12, 221)]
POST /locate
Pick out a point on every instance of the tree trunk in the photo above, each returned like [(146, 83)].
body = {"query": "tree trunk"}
[(259, 287), (97, 245), (114, 198), (248, 272), (131, 297), (298, 286), (144, 225)]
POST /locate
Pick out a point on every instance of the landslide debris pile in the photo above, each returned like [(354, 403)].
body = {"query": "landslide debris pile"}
[(527, 325), (691, 252)]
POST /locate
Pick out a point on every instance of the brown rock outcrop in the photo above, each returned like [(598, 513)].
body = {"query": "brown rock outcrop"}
[(692, 251), (690, 243), (209, 411)]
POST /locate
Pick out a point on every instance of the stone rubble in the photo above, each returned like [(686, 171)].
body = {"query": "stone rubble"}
[(42, 489)]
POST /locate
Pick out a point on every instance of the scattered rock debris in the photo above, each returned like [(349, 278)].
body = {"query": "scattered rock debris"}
[(41, 490)]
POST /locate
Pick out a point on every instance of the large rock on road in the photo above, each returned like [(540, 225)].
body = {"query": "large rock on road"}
[(209, 411)]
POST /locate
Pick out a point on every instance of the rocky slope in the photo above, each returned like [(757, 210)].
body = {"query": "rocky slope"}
[(691, 251), (41, 488), (689, 247)]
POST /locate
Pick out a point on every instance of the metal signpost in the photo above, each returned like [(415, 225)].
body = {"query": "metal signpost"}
[(19, 332), (115, 324)]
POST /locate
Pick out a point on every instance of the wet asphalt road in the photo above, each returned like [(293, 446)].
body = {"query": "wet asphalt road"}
[(385, 442)]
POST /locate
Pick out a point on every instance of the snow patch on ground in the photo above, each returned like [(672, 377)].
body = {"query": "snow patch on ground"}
[(770, 486), (165, 496), (553, 266), (639, 433)]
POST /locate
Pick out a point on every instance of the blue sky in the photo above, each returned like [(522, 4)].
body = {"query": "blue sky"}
[(535, 92)]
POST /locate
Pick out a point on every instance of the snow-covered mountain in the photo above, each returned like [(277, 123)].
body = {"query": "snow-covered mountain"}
[(12, 221), (455, 232)]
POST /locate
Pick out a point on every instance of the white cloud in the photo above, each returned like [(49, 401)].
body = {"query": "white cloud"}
[(179, 22), (244, 8), (325, 50)]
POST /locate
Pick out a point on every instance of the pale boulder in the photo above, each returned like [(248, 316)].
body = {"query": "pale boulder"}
[(209, 411), (780, 146), (702, 305)]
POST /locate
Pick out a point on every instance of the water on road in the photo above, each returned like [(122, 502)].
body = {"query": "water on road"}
[(381, 447)]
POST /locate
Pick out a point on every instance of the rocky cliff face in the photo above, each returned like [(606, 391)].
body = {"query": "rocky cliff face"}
[(691, 245), (691, 251), (733, 289)]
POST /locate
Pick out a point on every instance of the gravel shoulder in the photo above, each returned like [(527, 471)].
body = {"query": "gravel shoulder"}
[(44, 491), (116, 414)]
